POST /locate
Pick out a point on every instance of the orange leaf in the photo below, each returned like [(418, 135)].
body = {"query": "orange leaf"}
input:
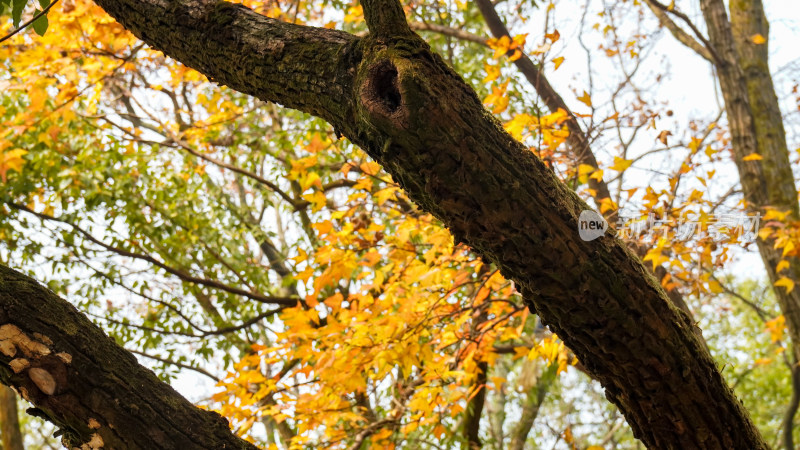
[(586, 99), (786, 283), (753, 157)]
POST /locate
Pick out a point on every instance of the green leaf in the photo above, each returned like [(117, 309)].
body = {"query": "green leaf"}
[(16, 11), (44, 3), (40, 25)]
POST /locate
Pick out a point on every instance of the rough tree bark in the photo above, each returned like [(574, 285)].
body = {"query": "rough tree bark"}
[(756, 126), (396, 99), (87, 385)]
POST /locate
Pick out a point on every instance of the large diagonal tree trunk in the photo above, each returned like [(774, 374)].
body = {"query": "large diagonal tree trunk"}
[(395, 98)]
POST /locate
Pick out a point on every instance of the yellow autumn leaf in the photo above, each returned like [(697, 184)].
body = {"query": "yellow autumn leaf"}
[(492, 72), (774, 214), (758, 39), (500, 46), (656, 257), (567, 435), (788, 248), (500, 105), (317, 200), (786, 283), (784, 264), (621, 164), (516, 126), (498, 98), (552, 37), (354, 14), (597, 175), (370, 167), (308, 180), (776, 327), (586, 99), (519, 41), (11, 160), (558, 61), (753, 157), (584, 170)]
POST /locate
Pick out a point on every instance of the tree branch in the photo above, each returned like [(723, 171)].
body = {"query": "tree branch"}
[(299, 67), (447, 31), (187, 277), (577, 140), (385, 18), (86, 384), (677, 32), (713, 56)]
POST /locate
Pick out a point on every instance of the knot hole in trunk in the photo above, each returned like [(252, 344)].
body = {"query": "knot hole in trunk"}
[(381, 93)]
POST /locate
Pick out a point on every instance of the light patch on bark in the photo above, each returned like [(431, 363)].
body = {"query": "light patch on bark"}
[(95, 443), (11, 334), (43, 380), (19, 364), (93, 423), (42, 338), (66, 357), (8, 349)]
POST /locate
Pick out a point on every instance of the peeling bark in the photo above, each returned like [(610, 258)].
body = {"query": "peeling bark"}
[(86, 384)]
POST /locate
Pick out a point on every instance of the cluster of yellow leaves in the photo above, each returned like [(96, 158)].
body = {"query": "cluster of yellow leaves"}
[(776, 328), (782, 233), (11, 160), (549, 128), (549, 349), (83, 45), (506, 45), (390, 301), (498, 99)]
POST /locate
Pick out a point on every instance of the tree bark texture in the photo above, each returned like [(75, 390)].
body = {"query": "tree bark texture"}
[(756, 126), (10, 434), (85, 383)]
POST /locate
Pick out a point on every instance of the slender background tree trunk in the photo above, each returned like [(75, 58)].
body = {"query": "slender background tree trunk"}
[(10, 434)]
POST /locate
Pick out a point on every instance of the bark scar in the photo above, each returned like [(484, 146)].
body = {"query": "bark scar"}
[(382, 95)]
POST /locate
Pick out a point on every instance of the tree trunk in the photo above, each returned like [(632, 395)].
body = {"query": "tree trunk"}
[(474, 410), (10, 434), (756, 126), (395, 98), (86, 384), (532, 401)]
